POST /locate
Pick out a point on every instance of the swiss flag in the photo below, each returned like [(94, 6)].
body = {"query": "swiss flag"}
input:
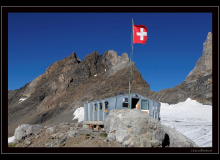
[(139, 34)]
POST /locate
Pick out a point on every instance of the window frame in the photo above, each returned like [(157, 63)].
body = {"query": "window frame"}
[(147, 104), (124, 103), (106, 105)]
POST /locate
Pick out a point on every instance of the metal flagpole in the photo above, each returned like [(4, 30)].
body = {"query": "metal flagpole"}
[(129, 101)]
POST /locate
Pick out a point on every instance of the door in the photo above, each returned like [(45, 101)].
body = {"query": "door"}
[(134, 102)]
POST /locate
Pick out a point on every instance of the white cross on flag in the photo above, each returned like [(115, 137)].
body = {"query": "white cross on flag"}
[(139, 34)]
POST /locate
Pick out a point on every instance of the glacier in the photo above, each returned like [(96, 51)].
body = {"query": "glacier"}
[(191, 118)]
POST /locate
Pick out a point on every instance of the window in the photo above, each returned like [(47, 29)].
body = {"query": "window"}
[(95, 105), (106, 104), (100, 105), (125, 99), (124, 104), (144, 105)]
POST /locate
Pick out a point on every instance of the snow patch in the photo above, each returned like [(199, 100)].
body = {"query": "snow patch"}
[(191, 118), (79, 114), (11, 139), (22, 99), (95, 75)]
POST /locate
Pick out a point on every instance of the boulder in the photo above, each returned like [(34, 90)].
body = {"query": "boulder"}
[(72, 133), (33, 129), (52, 136), (51, 130), (25, 130), (27, 142), (135, 128), (19, 133)]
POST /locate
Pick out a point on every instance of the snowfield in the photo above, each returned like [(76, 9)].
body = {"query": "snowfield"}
[(191, 118)]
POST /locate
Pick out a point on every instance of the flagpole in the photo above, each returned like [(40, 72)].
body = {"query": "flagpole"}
[(129, 101)]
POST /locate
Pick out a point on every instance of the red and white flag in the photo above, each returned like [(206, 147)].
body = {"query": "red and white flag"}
[(139, 34)]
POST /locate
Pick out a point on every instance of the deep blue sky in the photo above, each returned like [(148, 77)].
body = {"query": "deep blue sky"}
[(174, 43)]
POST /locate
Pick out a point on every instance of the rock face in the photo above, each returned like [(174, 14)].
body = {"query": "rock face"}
[(52, 97), (135, 128), (198, 83)]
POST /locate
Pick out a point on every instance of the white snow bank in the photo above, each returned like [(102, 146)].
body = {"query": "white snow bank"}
[(11, 139), (190, 109), (79, 114), (191, 118)]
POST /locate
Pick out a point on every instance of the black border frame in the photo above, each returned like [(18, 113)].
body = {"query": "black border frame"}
[(4, 57)]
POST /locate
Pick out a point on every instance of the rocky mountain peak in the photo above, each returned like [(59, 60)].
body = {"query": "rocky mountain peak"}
[(198, 83), (74, 56), (91, 58), (69, 83), (207, 52), (204, 64), (113, 58)]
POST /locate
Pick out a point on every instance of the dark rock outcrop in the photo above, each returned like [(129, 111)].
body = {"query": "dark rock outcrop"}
[(198, 83)]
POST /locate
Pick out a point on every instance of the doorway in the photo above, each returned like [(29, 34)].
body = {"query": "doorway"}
[(134, 101)]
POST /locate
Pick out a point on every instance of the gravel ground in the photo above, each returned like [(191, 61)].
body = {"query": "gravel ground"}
[(68, 135)]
